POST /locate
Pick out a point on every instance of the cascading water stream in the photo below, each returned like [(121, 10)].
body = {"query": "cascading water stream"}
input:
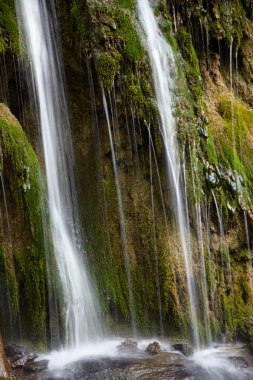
[(199, 234), (162, 63), (78, 306)]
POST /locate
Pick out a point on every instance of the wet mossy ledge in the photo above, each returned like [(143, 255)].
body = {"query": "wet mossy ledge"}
[(111, 38), (22, 242)]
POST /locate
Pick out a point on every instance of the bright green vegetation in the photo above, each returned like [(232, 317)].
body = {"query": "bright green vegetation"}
[(192, 70)]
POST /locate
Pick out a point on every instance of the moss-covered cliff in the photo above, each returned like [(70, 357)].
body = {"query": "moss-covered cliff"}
[(23, 294), (210, 117)]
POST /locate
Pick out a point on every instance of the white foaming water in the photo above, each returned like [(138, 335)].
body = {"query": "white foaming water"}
[(104, 349), (60, 359), (162, 62), (78, 309), (220, 363)]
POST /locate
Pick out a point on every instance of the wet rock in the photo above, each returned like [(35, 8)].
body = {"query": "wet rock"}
[(212, 179), (202, 132), (128, 345), (250, 346), (185, 348), (23, 360), (18, 355), (36, 366), (238, 362), (153, 348), (227, 337), (233, 186), (13, 350)]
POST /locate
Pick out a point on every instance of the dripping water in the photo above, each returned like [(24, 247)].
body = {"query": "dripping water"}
[(121, 217), (154, 238), (248, 247), (200, 240), (174, 18)]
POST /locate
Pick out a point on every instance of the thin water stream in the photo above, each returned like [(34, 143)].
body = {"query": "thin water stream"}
[(163, 67), (121, 218)]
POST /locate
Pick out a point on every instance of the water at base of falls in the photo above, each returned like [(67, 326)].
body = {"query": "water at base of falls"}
[(104, 361)]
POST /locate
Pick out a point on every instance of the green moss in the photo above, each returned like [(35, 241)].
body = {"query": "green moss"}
[(9, 285), (9, 36), (229, 21), (128, 4), (210, 150), (78, 15), (133, 50), (139, 91), (235, 144), (191, 63), (223, 20), (21, 164), (108, 65)]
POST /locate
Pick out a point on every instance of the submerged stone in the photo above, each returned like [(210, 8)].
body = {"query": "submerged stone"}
[(238, 362), (185, 348), (36, 366), (128, 345)]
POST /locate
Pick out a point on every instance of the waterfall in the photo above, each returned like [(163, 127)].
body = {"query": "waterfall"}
[(79, 309), (162, 63)]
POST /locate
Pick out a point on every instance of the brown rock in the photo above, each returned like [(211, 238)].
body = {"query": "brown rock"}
[(154, 348), (5, 369)]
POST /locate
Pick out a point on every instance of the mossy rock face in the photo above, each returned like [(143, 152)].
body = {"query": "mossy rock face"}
[(105, 33), (112, 40), (223, 21), (22, 244), (9, 36), (191, 64), (116, 58)]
